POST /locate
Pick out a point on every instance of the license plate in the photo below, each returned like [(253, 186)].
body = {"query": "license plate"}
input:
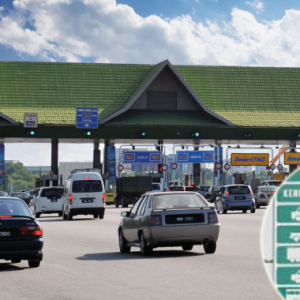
[(5, 233), (239, 198), (53, 200), (87, 200)]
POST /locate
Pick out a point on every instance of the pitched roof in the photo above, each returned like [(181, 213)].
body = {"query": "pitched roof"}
[(245, 96)]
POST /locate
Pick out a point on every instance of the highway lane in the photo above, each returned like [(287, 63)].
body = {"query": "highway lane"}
[(82, 261)]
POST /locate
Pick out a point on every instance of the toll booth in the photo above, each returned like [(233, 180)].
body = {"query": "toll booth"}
[(239, 178), (47, 180)]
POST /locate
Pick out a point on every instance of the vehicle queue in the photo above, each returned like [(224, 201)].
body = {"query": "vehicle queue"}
[(175, 217)]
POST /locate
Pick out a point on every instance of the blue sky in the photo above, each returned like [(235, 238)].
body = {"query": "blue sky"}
[(192, 32)]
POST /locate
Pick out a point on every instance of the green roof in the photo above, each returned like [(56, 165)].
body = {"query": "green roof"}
[(245, 96)]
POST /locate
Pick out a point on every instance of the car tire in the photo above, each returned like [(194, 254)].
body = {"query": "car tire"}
[(145, 249), (69, 216), (224, 211), (123, 243), (65, 216), (60, 214), (244, 211), (34, 263), (15, 261), (252, 210), (256, 204), (36, 215), (187, 247), (210, 247), (101, 216), (95, 216)]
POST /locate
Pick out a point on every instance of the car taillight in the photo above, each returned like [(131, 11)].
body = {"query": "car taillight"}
[(155, 220), (31, 230), (5, 216), (103, 197), (227, 193), (213, 217), (251, 193), (169, 190), (262, 196), (70, 199)]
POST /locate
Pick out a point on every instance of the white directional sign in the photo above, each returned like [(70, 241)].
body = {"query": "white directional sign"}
[(30, 120)]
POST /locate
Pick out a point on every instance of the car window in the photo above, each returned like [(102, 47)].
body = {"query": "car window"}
[(256, 190), (169, 201), (204, 188), (142, 206), (176, 189), (191, 188), (267, 189), (275, 183), (87, 186), (155, 186), (222, 190), (136, 206), (2, 193), (239, 190), (50, 193), (14, 208)]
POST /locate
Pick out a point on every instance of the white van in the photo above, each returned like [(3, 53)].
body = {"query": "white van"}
[(47, 200), (84, 195)]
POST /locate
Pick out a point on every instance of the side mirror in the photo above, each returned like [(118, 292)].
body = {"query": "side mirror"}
[(125, 214)]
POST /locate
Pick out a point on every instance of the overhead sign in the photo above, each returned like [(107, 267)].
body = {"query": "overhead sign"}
[(249, 159), (145, 157), (195, 157), (30, 120), (87, 118), (292, 158)]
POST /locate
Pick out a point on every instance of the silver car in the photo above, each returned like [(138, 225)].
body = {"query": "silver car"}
[(163, 219), (263, 195)]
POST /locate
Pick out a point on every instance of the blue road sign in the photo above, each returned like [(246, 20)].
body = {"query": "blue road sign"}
[(195, 157), (87, 118), (146, 157)]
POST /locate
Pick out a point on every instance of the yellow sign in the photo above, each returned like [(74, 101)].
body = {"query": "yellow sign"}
[(249, 159), (292, 158), (278, 176)]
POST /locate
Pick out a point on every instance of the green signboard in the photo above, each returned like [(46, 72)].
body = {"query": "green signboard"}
[(288, 193), (288, 214), (288, 234), (288, 255)]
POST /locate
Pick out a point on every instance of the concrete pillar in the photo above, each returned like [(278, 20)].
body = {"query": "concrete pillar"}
[(292, 168), (96, 155), (54, 156)]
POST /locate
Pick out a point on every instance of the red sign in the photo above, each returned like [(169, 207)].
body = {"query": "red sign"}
[(272, 166), (218, 166), (174, 166), (120, 168), (279, 167), (227, 166), (164, 168)]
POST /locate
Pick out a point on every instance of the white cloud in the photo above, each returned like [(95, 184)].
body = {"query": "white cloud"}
[(103, 31), (256, 4)]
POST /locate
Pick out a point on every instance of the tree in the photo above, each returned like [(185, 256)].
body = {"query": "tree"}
[(21, 178)]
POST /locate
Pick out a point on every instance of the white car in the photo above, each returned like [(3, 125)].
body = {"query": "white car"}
[(84, 195), (47, 200)]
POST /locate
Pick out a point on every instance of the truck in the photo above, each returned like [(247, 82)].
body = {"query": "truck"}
[(129, 189)]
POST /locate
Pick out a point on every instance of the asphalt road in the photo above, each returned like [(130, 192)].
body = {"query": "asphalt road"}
[(82, 261)]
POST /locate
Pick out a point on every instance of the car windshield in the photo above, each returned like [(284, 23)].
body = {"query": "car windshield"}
[(21, 195), (239, 190), (49, 193), (267, 189), (191, 189), (176, 189), (13, 207), (170, 200), (87, 186), (155, 186)]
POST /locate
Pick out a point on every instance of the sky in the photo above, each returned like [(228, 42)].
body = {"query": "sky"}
[(186, 32)]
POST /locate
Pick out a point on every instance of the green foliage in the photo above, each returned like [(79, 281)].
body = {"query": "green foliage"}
[(19, 176)]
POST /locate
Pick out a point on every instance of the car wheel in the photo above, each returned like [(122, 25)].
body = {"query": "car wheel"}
[(210, 247), (34, 263), (244, 211), (36, 215), (224, 211), (65, 216), (101, 216), (60, 214), (256, 204), (187, 247), (123, 243), (95, 216), (145, 250), (69, 216), (15, 261), (252, 210)]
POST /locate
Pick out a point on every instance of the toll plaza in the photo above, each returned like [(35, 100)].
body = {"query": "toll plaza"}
[(160, 104)]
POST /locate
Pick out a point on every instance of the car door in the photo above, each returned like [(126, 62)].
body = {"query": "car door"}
[(219, 198), (138, 219), (128, 227)]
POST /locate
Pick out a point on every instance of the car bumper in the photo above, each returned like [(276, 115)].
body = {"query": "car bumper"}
[(239, 205), (161, 236), (87, 211), (263, 202), (21, 249)]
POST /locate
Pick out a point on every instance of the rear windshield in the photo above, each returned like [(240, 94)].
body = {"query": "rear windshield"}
[(191, 189), (275, 183), (50, 193), (13, 207), (239, 190), (204, 188), (176, 189), (155, 186), (20, 195), (267, 189), (87, 186), (171, 200)]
